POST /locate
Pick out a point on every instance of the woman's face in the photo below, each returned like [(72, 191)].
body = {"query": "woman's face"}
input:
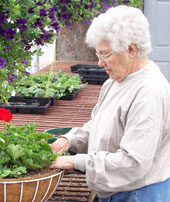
[(118, 66)]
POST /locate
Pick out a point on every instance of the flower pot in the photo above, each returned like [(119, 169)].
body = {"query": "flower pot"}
[(28, 189)]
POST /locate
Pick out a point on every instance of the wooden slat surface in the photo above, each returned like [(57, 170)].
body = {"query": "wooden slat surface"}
[(66, 113)]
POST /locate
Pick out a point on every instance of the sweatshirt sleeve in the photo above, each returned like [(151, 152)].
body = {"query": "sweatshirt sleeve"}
[(78, 136), (106, 171)]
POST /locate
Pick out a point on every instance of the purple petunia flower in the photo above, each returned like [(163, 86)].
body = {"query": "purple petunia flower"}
[(11, 78), (53, 9), (21, 22), (3, 18), (126, 1), (39, 3), (2, 31), (86, 6), (7, 49), (55, 25), (88, 22), (65, 1), (2, 63), (47, 36), (92, 4), (103, 2), (52, 17), (64, 9), (10, 33), (38, 23), (25, 62), (67, 16), (31, 10), (107, 7), (43, 12), (39, 42), (25, 73)]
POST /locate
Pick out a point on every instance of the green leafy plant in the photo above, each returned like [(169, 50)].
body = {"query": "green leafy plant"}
[(48, 85), (23, 25), (22, 149), (71, 11)]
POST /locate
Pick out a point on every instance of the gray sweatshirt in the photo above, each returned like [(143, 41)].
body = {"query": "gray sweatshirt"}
[(126, 143)]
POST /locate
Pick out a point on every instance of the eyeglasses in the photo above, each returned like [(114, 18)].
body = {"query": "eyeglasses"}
[(104, 57)]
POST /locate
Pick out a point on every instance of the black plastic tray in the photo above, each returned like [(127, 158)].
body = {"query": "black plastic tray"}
[(26, 106), (96, 81), (92, 71), (90, 76), (75, 68), (70, 96)]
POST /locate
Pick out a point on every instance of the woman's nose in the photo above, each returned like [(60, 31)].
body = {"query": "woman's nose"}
[(101, 62)]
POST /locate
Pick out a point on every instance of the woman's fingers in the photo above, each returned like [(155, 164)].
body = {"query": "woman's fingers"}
[(60, 145), (63, 162)]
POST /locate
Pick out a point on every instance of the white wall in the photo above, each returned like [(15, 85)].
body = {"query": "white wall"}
[(49, 56)]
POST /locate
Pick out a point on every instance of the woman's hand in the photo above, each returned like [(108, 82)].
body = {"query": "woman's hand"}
[(60, 145), (63, 162)]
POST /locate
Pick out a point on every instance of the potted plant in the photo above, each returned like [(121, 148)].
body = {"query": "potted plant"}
[(25, 157)]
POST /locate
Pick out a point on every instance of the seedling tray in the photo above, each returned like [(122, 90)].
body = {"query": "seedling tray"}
[(26, 106), (41, 100), (75, 68), (70, 96), (89, 76), (94, 81), (92, 71)]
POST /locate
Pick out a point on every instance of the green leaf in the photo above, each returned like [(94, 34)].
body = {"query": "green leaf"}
[(15, 151), (4, 158), (5, 172), (31, 165)]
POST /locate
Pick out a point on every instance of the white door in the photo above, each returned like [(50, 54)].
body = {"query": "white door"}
[(158, 15)]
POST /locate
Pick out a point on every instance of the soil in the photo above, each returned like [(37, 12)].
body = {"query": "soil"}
[(40, 172), (34, 174)]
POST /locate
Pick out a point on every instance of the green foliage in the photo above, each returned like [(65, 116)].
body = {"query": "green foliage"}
[(48, 85), (70, 11), (23, 24), (22, 149)]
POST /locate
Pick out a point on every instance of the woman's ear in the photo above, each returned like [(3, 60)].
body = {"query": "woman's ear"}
[(133, 50)]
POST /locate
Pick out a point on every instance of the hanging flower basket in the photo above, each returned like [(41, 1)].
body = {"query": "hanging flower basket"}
[(34, 188), (26, 155)]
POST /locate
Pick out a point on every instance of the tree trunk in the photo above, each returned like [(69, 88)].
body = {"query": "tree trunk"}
[(71, 45)]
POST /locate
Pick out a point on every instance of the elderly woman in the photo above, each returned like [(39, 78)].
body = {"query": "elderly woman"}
[(124, 148)]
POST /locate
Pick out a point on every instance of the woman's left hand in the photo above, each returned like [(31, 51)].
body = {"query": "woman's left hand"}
[(63, 162)]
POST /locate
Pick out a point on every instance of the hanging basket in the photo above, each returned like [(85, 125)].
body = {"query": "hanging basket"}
[(38, 188)]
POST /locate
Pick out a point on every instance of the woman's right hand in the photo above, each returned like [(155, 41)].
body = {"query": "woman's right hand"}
[(60, 145)]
